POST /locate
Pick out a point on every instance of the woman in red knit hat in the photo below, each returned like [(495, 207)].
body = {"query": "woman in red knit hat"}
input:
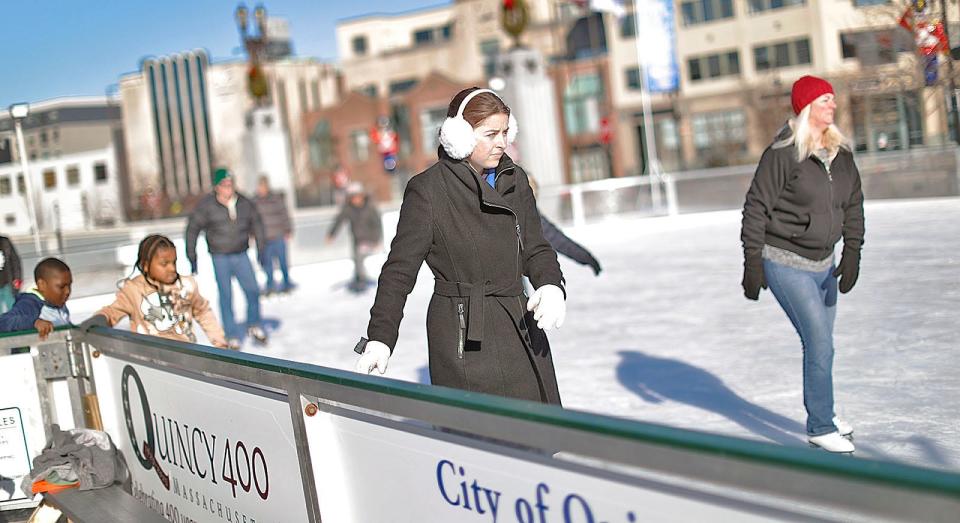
[(805, 197)]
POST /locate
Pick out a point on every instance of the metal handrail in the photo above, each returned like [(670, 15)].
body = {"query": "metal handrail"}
[(801, 474)]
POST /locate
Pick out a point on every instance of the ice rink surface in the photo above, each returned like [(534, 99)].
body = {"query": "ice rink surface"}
[(665, 335)]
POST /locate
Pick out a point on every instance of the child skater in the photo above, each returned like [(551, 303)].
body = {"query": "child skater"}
[(161, 302)]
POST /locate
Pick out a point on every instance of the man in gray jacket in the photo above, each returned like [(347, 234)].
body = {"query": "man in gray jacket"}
[(366, 229), (229, 220), (272, 207)]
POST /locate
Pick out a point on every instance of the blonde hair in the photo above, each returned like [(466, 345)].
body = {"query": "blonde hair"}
[(801, 136)]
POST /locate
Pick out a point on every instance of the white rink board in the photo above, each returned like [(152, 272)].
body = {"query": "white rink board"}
[(368, 472), (205, 436), (21, 424)]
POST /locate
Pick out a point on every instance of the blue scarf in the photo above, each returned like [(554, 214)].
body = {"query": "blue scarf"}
[(491, 176)]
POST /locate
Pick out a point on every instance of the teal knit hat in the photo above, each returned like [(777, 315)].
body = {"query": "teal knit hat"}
[(220, 175)]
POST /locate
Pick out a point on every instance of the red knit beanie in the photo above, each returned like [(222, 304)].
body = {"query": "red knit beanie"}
[(807, 89)]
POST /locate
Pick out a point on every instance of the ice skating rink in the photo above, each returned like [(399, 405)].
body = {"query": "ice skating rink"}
[(664, 334)]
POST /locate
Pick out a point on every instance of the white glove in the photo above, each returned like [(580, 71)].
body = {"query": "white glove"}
[(375, 356), (548, 306)]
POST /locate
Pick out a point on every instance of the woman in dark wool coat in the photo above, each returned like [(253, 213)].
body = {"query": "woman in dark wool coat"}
[(474, 219)]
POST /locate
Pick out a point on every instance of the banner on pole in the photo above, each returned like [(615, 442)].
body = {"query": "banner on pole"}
[(657, 44)]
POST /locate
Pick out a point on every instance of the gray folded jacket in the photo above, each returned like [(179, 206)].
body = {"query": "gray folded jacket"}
[(87, 454)]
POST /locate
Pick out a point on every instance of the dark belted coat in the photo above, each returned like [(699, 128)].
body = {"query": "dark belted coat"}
[(477, 241)]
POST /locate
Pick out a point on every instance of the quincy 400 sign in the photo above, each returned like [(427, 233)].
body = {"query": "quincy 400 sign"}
[(200, 450)]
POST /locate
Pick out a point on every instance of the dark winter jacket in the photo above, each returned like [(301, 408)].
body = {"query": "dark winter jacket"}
[(224, 236), (9, 262), (477, 241), (276, 218), (30, 307), (365, 223), (566, 246), (801, 207)]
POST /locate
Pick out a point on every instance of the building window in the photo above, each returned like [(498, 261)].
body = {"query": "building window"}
[(430, 122), (49, 179), (359, 145), (446, 32), (628, 26), (581, 104), (100, 172), (875, 47), (590, 163), (720, 138), (10, 220), (5, 186), (490, 49), (321, 146), (359, 44), (702, 11), (369, 90), (73, 176), (55, 135), (757, 6), (423, 37), (21, 184), (633, 78), (887, 122), (401, 86), (302, 92), (783, 54), (44, 139), (714, 66)]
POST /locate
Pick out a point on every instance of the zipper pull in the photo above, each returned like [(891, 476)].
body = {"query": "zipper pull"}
[(462, 333)]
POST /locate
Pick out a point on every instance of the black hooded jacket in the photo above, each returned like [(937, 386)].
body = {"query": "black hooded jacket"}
[(224, 235), (10, 263), (803, 207)]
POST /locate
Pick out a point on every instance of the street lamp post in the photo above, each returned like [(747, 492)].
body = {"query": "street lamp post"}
[(18, 112), (256, 45)]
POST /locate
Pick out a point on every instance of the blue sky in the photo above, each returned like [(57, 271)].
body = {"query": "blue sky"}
[(53, 48)]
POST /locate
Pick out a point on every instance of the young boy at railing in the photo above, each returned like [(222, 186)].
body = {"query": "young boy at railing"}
[(43, 306), (160, 302)]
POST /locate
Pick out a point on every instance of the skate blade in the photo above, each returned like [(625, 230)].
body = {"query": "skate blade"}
[(815, 446)]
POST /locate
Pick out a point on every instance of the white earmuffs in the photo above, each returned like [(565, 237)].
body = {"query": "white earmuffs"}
[(456, 134)]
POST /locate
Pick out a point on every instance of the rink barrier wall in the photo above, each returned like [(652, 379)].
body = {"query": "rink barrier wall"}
[(915, 173), (337, 422)]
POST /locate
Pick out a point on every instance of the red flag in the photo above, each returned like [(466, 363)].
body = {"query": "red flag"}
[(930, 38), (906, 21)]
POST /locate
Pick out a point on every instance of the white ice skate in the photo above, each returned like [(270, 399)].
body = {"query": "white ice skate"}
[(832, 442), (845, 429)]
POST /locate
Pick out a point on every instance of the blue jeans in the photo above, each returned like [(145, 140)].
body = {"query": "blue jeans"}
[(225, 268), (810, 301), (6, 298), (276, 250)]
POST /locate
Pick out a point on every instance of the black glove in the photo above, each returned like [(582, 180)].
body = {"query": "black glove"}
[(753, 279), (595, 265), (849, 269), (97, 320)]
